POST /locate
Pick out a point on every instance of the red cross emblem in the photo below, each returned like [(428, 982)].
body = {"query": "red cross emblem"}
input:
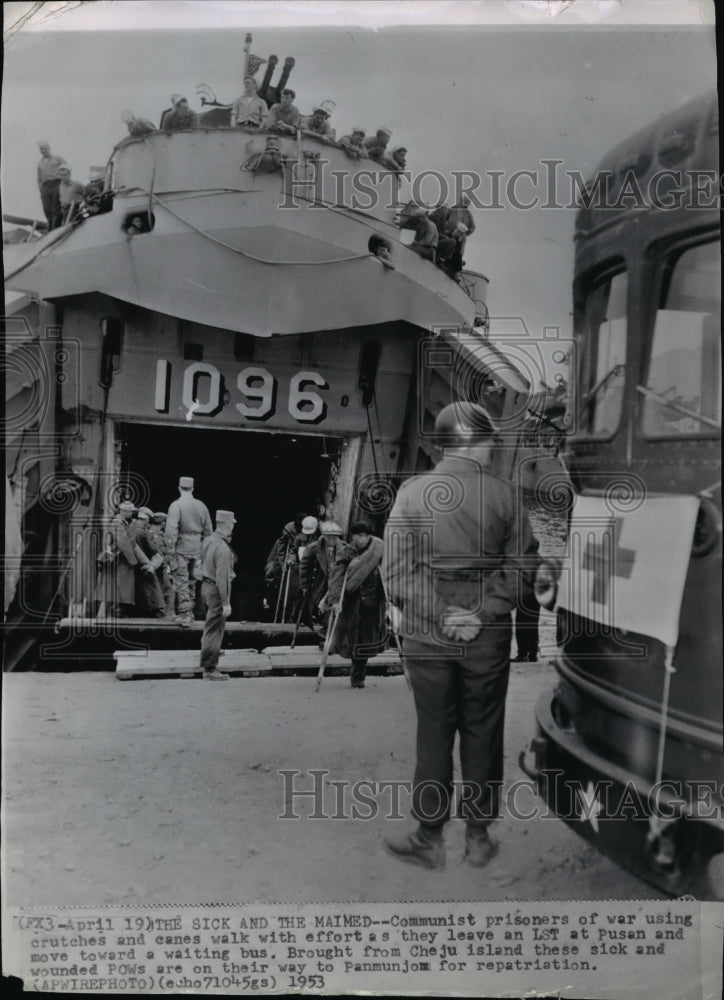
[(607, 560)]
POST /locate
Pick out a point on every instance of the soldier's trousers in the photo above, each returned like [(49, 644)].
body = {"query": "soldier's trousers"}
[(213, 626), (526, 624), (463, 695), (184, 583)]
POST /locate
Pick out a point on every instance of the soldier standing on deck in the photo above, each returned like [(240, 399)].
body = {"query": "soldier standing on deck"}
[(188, 523), (454, 567), (217, 562)]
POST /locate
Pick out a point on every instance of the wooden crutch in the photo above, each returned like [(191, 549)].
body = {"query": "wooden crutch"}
[(331, 629), (388, 605)]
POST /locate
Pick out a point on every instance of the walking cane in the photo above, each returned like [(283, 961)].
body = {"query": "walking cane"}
[(299, 618), (388, 605), (285, 572), (286, 594), (331, 629)]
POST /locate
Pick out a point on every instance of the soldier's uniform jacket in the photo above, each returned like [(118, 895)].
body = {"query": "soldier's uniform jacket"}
[(157, 543), (144, 540), (456, 536), (217, 564), (283, 549), (188, 523), (316, 563)]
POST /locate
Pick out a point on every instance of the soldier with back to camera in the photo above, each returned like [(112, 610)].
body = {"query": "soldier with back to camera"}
[(455, 544)]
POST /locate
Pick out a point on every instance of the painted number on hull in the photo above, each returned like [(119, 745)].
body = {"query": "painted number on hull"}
[(203, 392)]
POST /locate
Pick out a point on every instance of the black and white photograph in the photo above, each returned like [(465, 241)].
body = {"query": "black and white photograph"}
[(362, 567)]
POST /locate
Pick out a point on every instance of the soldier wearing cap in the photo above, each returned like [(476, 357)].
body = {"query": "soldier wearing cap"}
[(188, 523), (117, 563), (149, 596), (453, 567), (317, 125), (314, 566), (217, 572)]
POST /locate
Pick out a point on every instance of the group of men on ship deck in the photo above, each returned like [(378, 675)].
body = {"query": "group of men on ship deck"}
[(251, 111)]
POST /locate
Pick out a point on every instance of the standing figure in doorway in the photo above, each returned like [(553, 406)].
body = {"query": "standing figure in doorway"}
[(117, 564), (149, 596), (217, 572), (187, 524)]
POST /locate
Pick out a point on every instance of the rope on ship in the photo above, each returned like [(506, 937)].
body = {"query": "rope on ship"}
[(245, 253)]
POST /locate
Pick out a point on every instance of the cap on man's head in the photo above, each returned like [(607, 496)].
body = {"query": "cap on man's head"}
[(360, 528), (309, 525), (64, 169), (145, 512), (320, 109), (330, 528), (127, 506), (357, 130), (186, 483), (159, 515), (387, 131), (463, 423), (225, 517), (177, 98)]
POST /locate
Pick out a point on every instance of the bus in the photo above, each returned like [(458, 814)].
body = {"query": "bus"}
[(628, 747)]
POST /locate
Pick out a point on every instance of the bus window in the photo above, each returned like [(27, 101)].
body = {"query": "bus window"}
[(682, 391), (605, 349)]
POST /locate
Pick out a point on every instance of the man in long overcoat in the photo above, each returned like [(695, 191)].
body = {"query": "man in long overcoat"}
[(117, 565), (361, 629), (315, 564)]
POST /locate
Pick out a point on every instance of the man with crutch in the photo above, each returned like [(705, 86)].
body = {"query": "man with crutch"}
[(359, 629)]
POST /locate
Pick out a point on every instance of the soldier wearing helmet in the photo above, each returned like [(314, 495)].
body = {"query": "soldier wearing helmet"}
[(455, 544)]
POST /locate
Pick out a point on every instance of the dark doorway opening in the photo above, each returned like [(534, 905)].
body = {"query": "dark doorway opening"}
[(265, 478)]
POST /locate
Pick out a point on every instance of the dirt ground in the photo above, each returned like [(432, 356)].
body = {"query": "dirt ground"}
[(168, 791)]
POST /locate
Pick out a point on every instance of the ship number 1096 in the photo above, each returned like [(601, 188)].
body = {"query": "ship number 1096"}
[(204, 392)]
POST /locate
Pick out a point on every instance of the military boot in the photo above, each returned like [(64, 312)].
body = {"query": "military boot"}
[(425, 847), (479, 848)]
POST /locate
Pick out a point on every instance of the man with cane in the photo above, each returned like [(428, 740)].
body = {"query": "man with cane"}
[(358, 630), (456, 543)]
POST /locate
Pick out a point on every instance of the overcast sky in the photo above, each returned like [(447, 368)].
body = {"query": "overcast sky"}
[(478, 98)]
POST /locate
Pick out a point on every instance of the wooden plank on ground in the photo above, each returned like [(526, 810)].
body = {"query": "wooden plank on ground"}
[(301, 658), (180, 662)]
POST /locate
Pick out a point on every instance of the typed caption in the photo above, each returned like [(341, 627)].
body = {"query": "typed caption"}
[(584, 949)]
